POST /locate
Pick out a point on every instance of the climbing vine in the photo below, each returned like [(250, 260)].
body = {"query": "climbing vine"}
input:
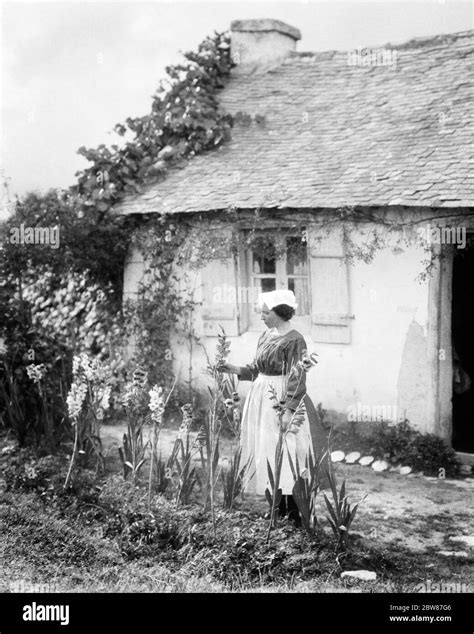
[(185, 119)]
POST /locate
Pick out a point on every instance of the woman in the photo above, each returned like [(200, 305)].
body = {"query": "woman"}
[(278, 351)]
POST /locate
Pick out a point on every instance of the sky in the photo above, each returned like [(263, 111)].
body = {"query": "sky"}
[(71, 70)]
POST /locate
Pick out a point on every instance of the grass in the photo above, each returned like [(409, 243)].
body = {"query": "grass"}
[(98, 536)]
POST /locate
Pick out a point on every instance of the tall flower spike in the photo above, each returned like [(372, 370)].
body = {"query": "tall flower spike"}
[(223, 349), (297, 419), (187, 411), (156, 404), (35, 372), (75, 399)]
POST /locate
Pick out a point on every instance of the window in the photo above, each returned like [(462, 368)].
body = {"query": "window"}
[(280, 262)]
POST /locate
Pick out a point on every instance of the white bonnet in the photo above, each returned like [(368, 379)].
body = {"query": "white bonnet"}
[(275, 298)]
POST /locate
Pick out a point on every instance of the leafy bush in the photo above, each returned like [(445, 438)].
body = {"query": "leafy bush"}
[(430, 454), (26, 471), (32, 409), (401, 444)]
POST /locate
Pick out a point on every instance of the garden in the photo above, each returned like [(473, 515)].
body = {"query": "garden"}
[(154, 501)]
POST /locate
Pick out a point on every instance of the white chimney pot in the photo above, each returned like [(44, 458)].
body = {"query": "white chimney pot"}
[(257, 45)]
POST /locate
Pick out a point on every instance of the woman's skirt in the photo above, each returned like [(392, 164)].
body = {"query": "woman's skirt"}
[(259, 436)]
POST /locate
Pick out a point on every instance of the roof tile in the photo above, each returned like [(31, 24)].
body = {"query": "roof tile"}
[(337, 134)]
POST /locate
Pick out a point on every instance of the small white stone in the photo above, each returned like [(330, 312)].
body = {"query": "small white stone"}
[(366, 460), (453, 553), (380, 465), (465, 539), (352, 457), (363, 575), (337, 456), (405, 470)]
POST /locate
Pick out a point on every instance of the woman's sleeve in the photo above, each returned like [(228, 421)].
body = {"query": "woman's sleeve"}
[(296, 387), (248, 372)]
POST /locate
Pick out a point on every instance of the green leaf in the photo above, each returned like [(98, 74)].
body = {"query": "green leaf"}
[(331, 510), (292, 467), (343, 490), (269, 498), (332, 483), (334, 527), (352, 515), (270, 475)]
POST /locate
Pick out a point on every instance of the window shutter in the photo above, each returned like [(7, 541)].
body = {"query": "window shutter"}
[(224, 297), (134, 272), (245, 295), (330, 296)]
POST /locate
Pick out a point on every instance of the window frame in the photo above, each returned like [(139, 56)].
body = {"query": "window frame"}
[(302, 322)]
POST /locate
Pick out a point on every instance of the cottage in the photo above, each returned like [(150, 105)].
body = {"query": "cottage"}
[(342, 151)]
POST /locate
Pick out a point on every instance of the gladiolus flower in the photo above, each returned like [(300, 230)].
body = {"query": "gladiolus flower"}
[(35, 372)]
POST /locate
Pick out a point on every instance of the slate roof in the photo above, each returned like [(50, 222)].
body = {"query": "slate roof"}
[(337, 134)]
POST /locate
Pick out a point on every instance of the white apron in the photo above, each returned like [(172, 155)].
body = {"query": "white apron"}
[(259, 436)]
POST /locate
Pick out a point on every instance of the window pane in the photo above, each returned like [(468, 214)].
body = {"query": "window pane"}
[(263, 257), (299, 286), (296, 260), (264, 285), (262, 264)]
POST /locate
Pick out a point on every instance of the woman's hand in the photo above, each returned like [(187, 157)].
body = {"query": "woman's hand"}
[(228, 368), (286, 418)]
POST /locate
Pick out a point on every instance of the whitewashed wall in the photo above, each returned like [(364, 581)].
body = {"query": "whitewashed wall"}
[(383, 371)]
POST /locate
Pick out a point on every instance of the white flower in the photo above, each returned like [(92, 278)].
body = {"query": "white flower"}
[(156, 404), (35, 372), (130, 394), (92, 369), (187, 412), (104, 398), (99, 370), (75, 399), (76, 365), (87, 368)]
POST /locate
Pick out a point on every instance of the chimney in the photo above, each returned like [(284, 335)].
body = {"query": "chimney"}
[(258, 45)]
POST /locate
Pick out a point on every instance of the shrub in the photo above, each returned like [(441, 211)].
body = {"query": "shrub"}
[(28, 472), (430, 453), (31, 406), (402, 444)]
